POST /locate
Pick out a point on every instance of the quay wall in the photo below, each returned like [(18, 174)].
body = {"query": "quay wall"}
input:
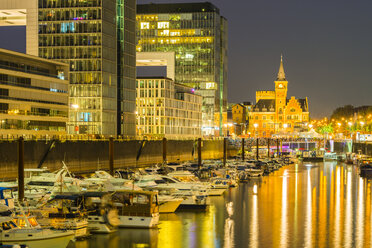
[(88, 156)]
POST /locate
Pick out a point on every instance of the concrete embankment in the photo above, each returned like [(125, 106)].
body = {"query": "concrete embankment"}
[(87, 156)]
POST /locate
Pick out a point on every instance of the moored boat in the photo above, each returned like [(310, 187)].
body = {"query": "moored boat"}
[(138, 209)]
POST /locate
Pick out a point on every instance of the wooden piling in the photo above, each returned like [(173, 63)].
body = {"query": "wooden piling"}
[(224, 151), (243, 149), (257, 148), (111, 155), (164, 150), (277, 148), (199, 153), (21, 170), (268, 147)]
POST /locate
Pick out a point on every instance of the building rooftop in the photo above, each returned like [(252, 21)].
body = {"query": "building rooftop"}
[(154, 77), (176, 8), (270, 104), (303, 104), (265, 103), (30, 57)]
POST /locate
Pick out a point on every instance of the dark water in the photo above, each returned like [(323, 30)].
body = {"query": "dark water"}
[(305, 205)]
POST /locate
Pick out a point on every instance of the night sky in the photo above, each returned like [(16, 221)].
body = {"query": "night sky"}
[(326, 45)]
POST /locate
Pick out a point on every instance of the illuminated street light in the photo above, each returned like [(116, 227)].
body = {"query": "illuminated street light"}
[(285, 125)]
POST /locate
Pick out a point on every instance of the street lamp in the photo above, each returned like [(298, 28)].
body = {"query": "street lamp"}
[(255, 129), (350, 124)]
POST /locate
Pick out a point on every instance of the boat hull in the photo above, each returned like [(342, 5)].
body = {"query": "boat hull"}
[(96, 224), (193, 207), (169, 206), (38, 240), (216, 191), (195, 203), (139, 221), (79, 227)]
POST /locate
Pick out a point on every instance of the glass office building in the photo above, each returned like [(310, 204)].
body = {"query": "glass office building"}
[(126, 44), (197, 33), (96, 38)]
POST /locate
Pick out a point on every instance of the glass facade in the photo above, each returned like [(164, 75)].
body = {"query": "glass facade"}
[(198, 35), (126, 39), (166, 109), (83, 33)]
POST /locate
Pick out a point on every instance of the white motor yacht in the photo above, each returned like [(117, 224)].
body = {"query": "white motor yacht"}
[(137, 208), (62, 212), (32, 236), (103, 181), (19, 229), (195, 195), (188, 177), (218, 186), (102, 216)]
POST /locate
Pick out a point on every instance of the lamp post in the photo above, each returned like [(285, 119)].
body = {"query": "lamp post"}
[(285, 125), (351, 134), (255, 129), (361, 129)]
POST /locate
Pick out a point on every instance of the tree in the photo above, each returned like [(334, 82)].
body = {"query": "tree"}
[(325, 129), (346, 111)]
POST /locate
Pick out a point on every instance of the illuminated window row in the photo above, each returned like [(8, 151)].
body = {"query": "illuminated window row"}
[(179, 40)]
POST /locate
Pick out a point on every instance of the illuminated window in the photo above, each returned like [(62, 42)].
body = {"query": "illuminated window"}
[(209, 85), (164, 33), (189, 56), (163, 25), (145, 25)]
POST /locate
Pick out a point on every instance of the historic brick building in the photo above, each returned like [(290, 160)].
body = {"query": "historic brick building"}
[(275, 113)]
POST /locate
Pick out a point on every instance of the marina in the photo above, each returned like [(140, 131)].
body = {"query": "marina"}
[(212, 204), (185, 124), (299, 205)]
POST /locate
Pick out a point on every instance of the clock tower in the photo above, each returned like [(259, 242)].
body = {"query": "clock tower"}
[(281, 85)]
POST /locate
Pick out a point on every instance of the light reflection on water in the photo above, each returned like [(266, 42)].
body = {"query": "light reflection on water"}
[(323, 205)]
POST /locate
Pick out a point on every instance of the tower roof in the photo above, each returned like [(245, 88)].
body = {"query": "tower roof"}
[(281, 74)]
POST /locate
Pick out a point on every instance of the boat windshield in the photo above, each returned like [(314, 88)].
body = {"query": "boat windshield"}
[(171, 180), (103, 175), (8, 225), (22, 222), (39, 183)]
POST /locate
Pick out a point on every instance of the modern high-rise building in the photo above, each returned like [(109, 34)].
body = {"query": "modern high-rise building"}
[(33, 96), (97, 39), (197, 34), (167, 109)]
